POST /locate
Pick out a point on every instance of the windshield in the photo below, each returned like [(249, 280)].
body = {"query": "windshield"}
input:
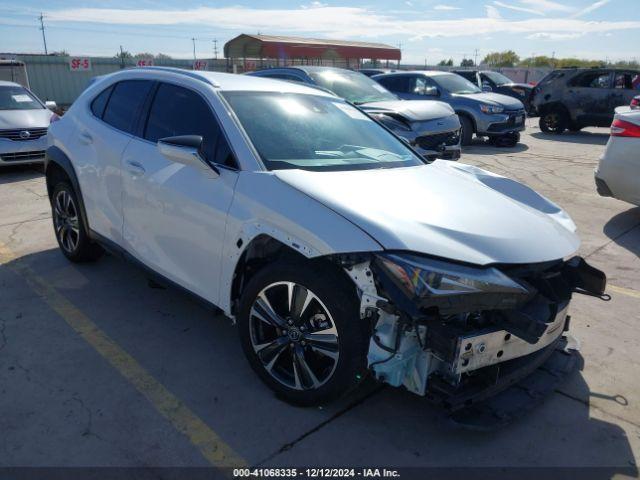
[(455, 83), (352, 86), (308, 132), (17, 98), (497, 78)]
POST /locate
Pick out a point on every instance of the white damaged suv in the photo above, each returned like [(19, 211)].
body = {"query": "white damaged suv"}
[(335, 247)]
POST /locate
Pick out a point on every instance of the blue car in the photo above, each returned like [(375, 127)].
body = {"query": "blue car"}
[(485, 114)]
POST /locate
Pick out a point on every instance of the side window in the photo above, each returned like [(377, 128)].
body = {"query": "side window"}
[(125, 104), (626, 81), (593, 80), (98, 104), (396, 83), (179, 111), (471, 76)]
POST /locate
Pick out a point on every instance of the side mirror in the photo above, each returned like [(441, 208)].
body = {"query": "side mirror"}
[(51, 105), (185, 149), (486, 87)]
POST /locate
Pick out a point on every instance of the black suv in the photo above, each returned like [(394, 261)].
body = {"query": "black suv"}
[(490, 81), (574, 98)]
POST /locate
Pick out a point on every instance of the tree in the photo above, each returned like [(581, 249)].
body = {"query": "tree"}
[(143, 55), (60, 53), (508, 58), (446, 63), (163, 56), (123, 54), (467, 62)]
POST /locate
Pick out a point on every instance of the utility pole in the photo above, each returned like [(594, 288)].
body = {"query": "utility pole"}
[(121, 57), (215, 48), (553, 59), (475, 57), (194, 48), (399, 48), (44, 38)]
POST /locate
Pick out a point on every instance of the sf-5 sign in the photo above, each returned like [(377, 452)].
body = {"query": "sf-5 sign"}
[(79, 64)]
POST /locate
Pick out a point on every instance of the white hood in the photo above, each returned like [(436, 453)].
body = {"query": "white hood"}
[(36, 118), (453, 211)]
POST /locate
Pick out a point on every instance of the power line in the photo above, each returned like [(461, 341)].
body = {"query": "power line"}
[(44, 38)]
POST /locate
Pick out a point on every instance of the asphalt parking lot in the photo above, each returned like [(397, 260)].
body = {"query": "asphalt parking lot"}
[(99, 369)]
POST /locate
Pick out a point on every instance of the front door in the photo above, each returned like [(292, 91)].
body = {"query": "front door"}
[(175, 214), (589, 98)]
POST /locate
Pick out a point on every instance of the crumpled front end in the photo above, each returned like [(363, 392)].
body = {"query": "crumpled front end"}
[(457, 333)]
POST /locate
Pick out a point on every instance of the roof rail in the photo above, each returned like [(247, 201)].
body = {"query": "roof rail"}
[(182, 71)]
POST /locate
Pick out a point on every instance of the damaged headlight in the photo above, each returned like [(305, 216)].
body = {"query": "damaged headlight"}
[(448, 286)]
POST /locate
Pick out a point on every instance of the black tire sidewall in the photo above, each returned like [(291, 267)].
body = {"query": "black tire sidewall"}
[(561, 125), (86, 249), (339, 297), (467, 131)]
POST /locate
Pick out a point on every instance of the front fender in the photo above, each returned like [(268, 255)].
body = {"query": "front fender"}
[(265, 205)]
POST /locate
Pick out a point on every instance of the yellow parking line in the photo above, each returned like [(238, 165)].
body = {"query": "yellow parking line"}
[(624, 291), (212, 447)]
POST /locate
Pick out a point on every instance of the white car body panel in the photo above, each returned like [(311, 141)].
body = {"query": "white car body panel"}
[(187, 225), (414, 209), (619, 166)]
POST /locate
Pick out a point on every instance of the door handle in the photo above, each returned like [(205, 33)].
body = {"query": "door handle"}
[(85, 137), (135, 168)]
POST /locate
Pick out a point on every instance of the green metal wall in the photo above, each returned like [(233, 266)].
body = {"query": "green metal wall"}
[(50, 77)]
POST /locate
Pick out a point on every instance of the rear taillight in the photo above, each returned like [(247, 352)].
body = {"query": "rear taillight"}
[(635, 103), (620, 128), (54, 118)]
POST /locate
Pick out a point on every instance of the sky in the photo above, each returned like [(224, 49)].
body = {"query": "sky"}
[(426, 30)]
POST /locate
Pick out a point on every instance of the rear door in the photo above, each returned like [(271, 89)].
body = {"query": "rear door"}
[(103, 133), (626, 85), (175, 214), (588, 98)]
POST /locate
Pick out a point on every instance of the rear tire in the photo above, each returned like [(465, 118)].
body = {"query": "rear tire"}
[(554, 121), (283, 348), (69, 227), (467, 131)]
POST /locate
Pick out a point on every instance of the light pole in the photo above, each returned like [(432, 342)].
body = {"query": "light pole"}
[(44, 38)]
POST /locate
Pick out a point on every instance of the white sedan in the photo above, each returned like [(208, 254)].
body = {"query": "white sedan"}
[(618, 174)]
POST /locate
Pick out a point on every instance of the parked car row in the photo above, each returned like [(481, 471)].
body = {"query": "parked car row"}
[(337, 248)]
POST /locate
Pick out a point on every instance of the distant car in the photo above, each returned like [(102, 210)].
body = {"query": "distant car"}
[(496, 82), (370, 72), (432, 129), (618, 173), (635, 103), (574, 98), (24, 120), (492, 115)]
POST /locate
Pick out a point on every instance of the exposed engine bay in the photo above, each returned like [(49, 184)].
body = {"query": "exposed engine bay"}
[(456, 333)]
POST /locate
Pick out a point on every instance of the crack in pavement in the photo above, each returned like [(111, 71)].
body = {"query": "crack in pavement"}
[(611, 240), (320, 426), (34, 219)]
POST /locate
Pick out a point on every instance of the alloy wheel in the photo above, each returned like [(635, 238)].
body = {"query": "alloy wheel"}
[(294, 336), (65, 218)]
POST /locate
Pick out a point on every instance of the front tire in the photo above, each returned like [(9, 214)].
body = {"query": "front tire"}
[(554, 121), (69, 227), (301, 331), (467, 131)]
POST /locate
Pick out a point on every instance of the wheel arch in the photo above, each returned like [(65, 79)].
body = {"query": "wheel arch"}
[(468, 116), (551, 106), (263, 249), (58, 167)]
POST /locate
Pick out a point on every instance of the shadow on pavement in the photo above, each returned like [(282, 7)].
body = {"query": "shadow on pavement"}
[(584, 138), (484, 147), (199, 360), (19, 173), (623, 230)]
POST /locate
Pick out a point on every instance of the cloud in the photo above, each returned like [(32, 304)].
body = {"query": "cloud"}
[(553, 36), (518, 9), (492, 12), (547, 6), (592, 7), (445, 7), (337, 22)]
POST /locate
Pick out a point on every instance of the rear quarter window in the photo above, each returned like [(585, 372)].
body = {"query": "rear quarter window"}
[(98, 104)]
